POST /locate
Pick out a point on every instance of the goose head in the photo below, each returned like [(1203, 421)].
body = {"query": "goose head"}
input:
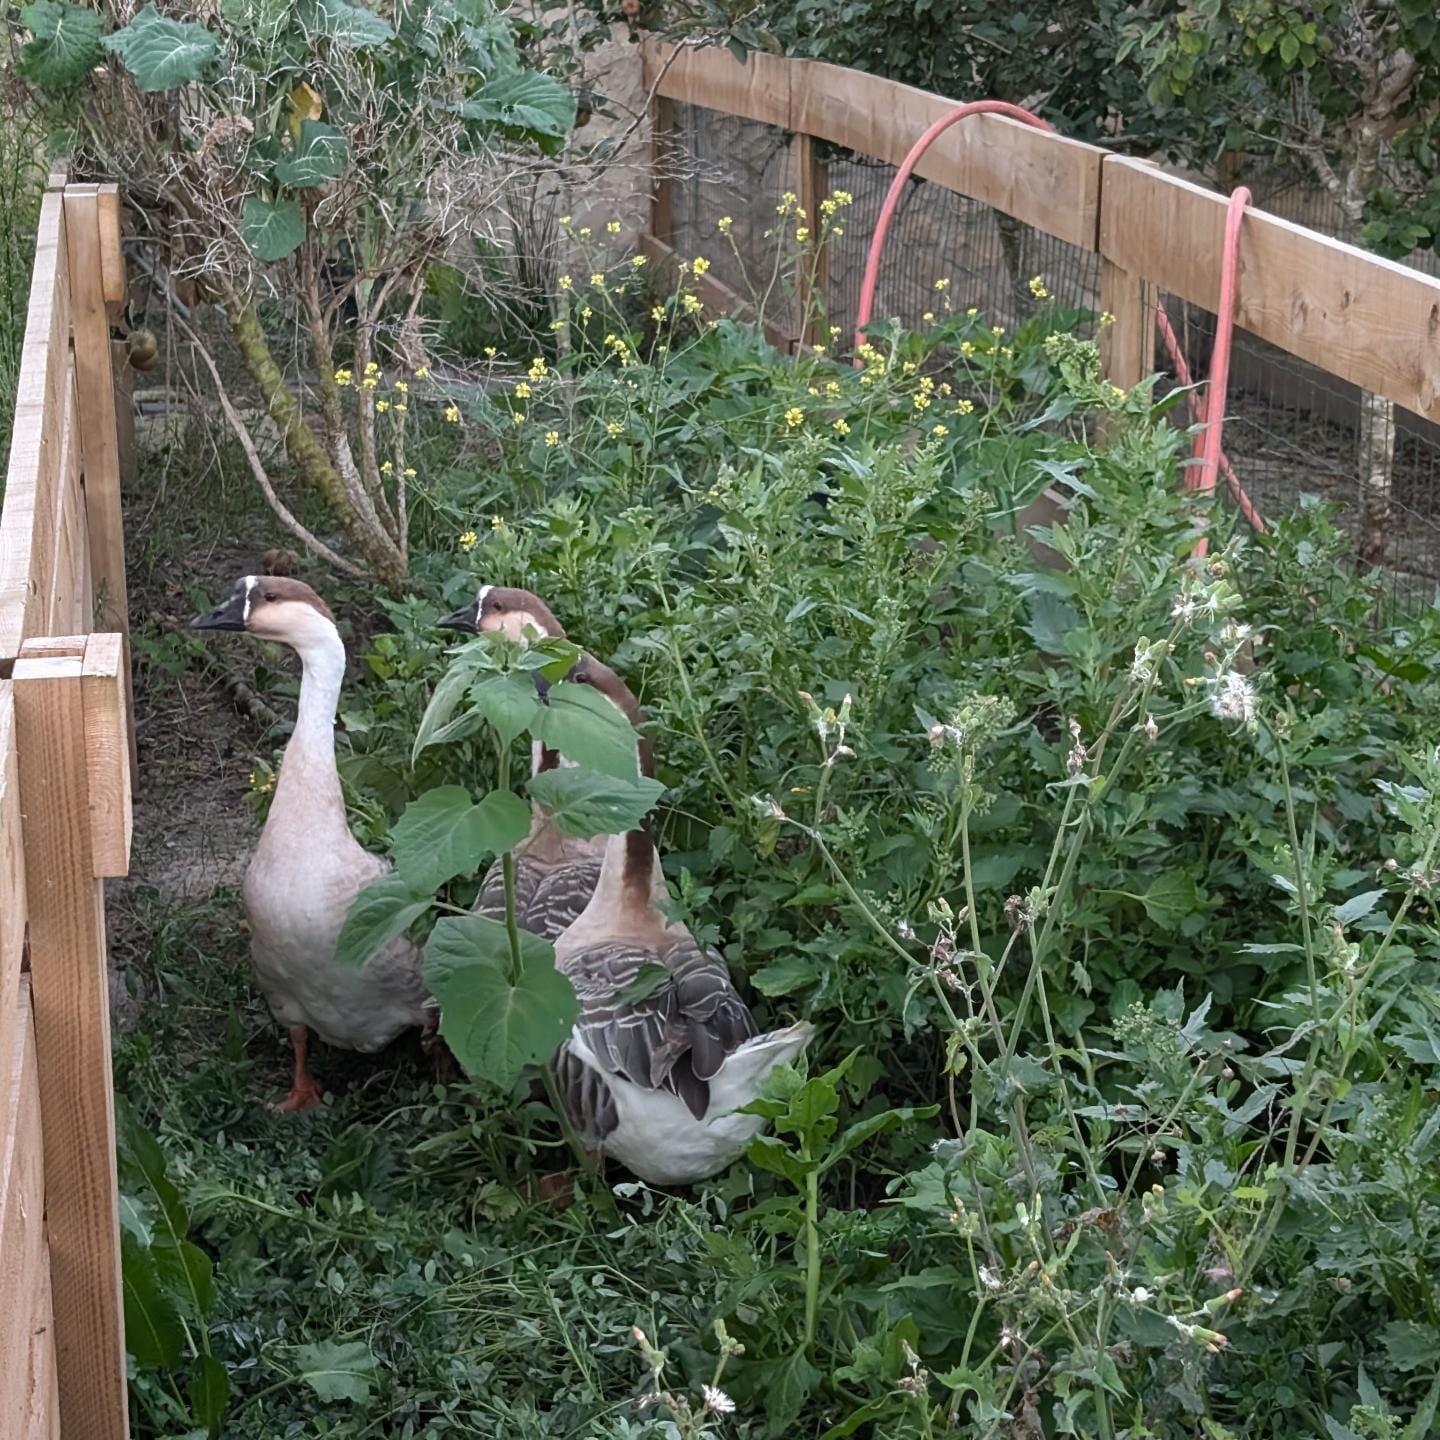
[(587, 670), (273, 607), (506, 609)]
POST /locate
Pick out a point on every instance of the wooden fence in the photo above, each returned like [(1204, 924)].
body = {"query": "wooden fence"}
[(1369, 321), (66, 756)]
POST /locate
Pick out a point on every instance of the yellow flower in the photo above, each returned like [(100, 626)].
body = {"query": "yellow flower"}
[(422, 372), (794, 417), (1037, 287), (836, 230), (639, 260), (452, 414), (612, 227), (693, 304), (409, 472), (382, 406), (813, 390), (372, 368), (586, 313), (342, 377), (565, 220), (469, 540), (658, 313), (401, 409), (402, 387), (832, 388), (964, 407), (557, 325), (552, 437), (1119, 390), (490, 352), (497, 522), (584, 232), (828, 207), (939, 431), (997, 330), (518, 417), (619, 289), (926, 384), (943, 285), (909, 367), (802, 233), (598, 280), (613, 427), (787, 203), (369, 383), (971, 313), (566, 282), (922, 402), (538, 369), (522, 391), (835, 332), (842, 426), (387, 468), (818, 349), (724, 224), (1106, 318), (700, 265), (944, 387), (967, 347), (844, 197)]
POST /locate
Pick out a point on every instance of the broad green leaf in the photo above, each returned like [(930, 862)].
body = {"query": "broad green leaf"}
[(337, 1370), (791, 1384), (812, 1107), (1053, 623), (435, 723), (66, 44), (584, 802), (854, 1136), (444, 834), (765, 1152), (509, 703), (379, 913), (272, 229), (153, 1332), (134, 1219), (320, 156), (1170, 898), (142, 1163), (355, 26), (495, 1024), (585, 727), (785, 977), (209, 1394), (538, 106), (1357, 907), (160, 53), (1411, 1345), (187, 1273)]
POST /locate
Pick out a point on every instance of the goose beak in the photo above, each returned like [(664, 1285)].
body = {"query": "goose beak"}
[(227, 616), (462, 619), (542, 685)]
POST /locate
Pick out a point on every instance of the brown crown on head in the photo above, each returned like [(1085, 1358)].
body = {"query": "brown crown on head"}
[(499, 601), (278, 589)]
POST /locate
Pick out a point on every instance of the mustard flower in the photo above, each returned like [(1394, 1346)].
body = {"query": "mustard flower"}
[(612, 227), (566, 282), (402, 386), (794, 417), (943, 284), (700, 265), (724, 224), (1037, 287), (552, 437), (842, 426), (613, 427), (522, 391), (422, 372), (598, 280), (657, 313), (939, 431), (639, 261), (802, 233), (469, 540), (382, 406), (387, 468), (693, 304), (343, 377), (452, 414)]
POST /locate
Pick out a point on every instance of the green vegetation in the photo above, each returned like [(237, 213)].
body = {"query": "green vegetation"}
[(1109, 887)]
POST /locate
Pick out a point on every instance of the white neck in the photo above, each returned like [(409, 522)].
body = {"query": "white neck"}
[(309, 784), (617, 907)]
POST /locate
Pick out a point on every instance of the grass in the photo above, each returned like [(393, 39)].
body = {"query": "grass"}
[(21, 182)]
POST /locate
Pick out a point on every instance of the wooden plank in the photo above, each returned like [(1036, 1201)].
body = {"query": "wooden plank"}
[(810, 190), (107, 753), (718, 298), (65, 609), (27, 1333), (12, 872), (95, 385), (662, 161), (124, 374), (1039, 177), (1127, 343), (72, 1043), (1370, 321), (112, 260), (35, 438)]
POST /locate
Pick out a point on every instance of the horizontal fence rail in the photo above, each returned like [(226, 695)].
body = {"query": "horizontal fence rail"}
[(66, 745), (1366, 320)]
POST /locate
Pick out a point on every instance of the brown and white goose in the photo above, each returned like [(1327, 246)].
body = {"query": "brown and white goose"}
[(308, 867), (555, 874), (655, 1082)]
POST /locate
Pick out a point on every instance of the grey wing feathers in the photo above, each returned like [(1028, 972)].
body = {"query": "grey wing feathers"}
[(586, 1097), (676, 1037), (547, 899)]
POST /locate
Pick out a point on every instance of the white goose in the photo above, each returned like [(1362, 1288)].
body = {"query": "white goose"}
[(308, 867)]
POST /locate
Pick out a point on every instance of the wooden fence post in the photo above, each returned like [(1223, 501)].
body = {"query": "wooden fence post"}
[(70, 726), (1127, 343), (810, 187)]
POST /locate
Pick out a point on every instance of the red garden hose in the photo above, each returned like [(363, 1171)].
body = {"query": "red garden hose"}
[(1207, 446)]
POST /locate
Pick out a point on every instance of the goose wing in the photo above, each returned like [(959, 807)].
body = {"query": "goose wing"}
[(548, 899), (673, 1037)]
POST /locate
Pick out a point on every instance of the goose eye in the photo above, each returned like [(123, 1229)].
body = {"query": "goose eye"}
[(270, 596)]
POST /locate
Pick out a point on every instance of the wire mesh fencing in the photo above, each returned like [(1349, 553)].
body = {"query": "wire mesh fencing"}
[(1292, 429)]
